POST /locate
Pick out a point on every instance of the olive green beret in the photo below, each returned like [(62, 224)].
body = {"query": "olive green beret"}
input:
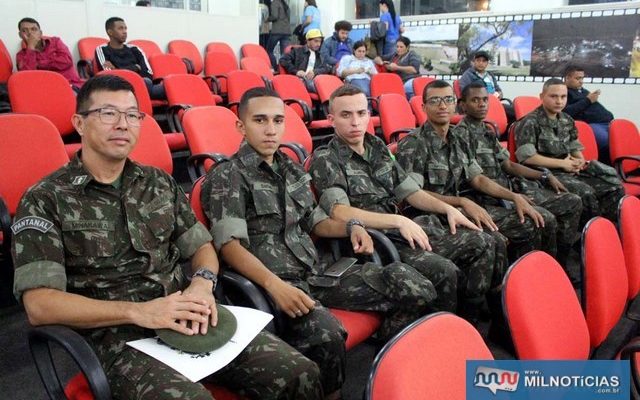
[(216, 337)]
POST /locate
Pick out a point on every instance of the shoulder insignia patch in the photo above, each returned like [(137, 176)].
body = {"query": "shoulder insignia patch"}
[(31, 222)]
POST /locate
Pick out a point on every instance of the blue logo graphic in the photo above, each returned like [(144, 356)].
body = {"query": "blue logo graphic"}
[(496, 379)]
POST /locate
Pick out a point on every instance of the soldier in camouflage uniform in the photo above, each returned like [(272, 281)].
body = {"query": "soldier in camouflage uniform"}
[(547, 137), (494, 161), (439, 159), (356, 177), (96, 247), (262, 210)]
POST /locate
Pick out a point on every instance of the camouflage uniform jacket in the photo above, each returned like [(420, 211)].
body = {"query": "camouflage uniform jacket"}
[(271, 212), (376, 183), (438, 166), (74, 234), (536, 133)]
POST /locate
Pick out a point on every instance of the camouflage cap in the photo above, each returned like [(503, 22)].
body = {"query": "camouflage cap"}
[(215, 338)]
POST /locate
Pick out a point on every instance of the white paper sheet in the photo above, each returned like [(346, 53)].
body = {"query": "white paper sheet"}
[(197, 366)]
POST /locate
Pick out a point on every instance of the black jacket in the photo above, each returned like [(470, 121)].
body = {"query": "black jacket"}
[(582, 109), (298, 58), (129, 57)]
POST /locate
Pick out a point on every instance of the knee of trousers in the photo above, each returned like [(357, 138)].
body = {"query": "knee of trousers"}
[(406, 287)]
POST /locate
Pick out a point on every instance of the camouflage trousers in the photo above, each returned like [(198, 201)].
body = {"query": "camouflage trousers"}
[(599, 197), (267, 369), (396, 290), (320, 337), (473, 252)]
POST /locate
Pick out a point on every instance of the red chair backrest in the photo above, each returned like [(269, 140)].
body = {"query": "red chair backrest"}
[(457, 90), (523, 105), (152, 148), (188, 90), (420, 83), (255, 50), (6, 63), (543, 311), (325, 85), (588, 140), (196, 203), (239, 82), (496, 113), (604, 278), (257, 65), (221, 47), (186, 49), (166, 64), (87, 49), (142, 94), (511, 142), (395, 115), (148, 47), (211, 130), (291, 87), (628, 213), (31, 149), (219, 64), (427, 360), (386, 83), (45, 93), (624, 140), (417, 106), (295, 130)]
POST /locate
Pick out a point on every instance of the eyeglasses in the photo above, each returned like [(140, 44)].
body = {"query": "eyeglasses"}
[(111, 116), (437, 100)]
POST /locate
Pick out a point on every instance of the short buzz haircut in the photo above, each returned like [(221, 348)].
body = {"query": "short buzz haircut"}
[(100, 83), (571, 69), (552, 82), (111, 22), (472, 85), (28, 20), (437, 84), (343, 91), (343, 26), (252, 94)]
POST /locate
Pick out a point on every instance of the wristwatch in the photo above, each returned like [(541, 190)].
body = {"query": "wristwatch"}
[(206, 274), (545, 175), (351, 223)]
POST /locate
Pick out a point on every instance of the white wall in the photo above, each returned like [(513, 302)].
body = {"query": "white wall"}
[(235, 22)]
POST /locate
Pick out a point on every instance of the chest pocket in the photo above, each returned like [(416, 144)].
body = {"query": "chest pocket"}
[(300, 192), (488, 161), (90, 238), (549, 143), (438, 174), (265, 198), (360, 183), (384, 176), (160, 217)]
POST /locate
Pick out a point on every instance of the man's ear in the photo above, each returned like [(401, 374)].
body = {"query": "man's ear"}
[(331, 118), (240, 127), (78, 123)]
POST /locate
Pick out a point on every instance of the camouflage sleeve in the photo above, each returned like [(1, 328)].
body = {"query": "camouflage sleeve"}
[(312, 213), (502, 154), (526, 138), (412, 157), (471, 168), (224, 202), (408, 184), (574, 144), (329, 181), (37, 249), (189, 234)]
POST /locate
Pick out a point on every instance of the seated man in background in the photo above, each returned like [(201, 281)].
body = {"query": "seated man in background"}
[(306, 62), (583, 105), (548, 138), (97, 246), (262, 212), (494, 161), (118, 55), (47, 53), (338, 45)]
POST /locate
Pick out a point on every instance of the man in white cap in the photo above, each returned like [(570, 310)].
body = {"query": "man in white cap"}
[(306, 62)]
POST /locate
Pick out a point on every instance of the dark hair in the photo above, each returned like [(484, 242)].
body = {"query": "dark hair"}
[(571, 69), (143, 3), (110, 23), (437, 84), (28, 20), (252, 94), (472, 85), (358, 44), (343, 26), (312, 3), (103, 82), (552, 82), (392, 10), (405, 40), (343, 91)]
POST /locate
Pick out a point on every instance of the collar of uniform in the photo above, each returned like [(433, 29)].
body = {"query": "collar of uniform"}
[(432, 138), (543, 118), (250, 157), (473, 125), (80, 177), (344, 151)]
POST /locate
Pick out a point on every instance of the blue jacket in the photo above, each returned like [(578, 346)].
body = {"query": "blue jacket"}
[(330, 47)]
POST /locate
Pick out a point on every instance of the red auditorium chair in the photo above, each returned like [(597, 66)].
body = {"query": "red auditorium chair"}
[(427, 360), (624, 149), (217, 66), (325, 85), (186, 91), (628, 212), (588, 140), (166, 64), (396, 117), (418, 110), (239, 82), (496, 114), (148, 47), (152, 148), (87, 65), (221, 47), (257, 65), (420, 83), (457, 90), (58, 105), (6, 63), (188, 51), (255, 50), (386, 82), (295, 94), (297, 142), (523, 105)]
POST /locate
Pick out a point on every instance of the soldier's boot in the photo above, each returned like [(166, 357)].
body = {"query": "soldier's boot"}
[(471, 309), (499, 330)]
